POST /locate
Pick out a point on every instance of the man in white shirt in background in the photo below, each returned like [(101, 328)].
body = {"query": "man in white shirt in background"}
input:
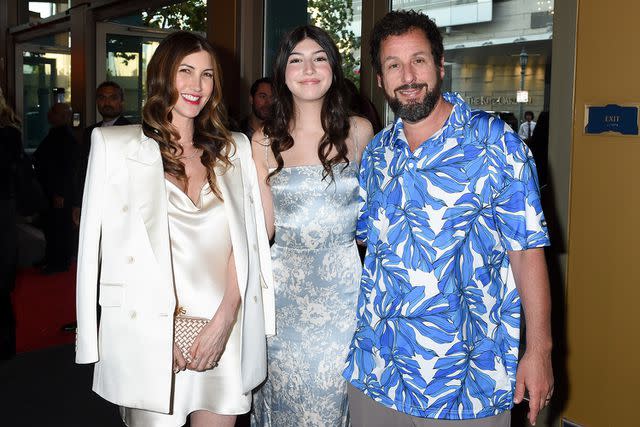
[(526, 128)]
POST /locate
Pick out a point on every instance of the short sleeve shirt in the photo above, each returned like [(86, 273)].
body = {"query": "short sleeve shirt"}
[(438, 311)]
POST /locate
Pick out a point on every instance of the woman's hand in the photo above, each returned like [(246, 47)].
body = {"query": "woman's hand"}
[(179, 364), (210, 343)]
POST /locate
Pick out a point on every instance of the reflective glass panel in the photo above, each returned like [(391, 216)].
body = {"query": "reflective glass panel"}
[(493, 49), (126, 63), (45, 9), (46, 78), (190, 15)]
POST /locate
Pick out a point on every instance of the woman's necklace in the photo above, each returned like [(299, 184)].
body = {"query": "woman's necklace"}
[(192, 155)]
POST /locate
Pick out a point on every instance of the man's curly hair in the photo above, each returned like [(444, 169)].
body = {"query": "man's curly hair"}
[(401, 22)]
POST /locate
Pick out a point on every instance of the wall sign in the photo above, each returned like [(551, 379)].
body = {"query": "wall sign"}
[(617, 119), (494, 100), (522, 96)]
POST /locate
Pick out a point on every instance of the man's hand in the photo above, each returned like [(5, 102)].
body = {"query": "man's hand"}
[(57, 201), (536, 375), (534, 370), (75, 216)]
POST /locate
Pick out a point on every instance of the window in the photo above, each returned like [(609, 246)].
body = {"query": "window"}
[(493, 49)]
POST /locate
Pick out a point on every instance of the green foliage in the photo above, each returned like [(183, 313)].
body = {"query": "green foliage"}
[(188, 15), (335, 16), (124, 48)]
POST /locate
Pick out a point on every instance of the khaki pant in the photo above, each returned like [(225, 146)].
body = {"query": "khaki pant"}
[(365, 412)]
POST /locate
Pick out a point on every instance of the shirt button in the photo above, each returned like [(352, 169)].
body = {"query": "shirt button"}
[(130, 260), (125, 208), (133, 314), (251, 199), (255, 299), (255, 247)]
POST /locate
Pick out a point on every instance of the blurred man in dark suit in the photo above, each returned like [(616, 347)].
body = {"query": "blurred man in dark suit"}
[(54, 161), (110, 103)]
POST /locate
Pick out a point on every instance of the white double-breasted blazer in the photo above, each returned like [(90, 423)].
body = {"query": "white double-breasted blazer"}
[(125, 249)]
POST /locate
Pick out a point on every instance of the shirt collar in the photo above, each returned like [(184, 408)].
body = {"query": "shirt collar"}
[(458, 117), (109, 123)]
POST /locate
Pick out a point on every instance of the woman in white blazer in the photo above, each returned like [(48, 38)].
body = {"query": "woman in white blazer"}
[(172, 221)]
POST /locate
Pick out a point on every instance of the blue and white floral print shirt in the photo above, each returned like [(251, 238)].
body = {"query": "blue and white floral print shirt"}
[(438, 311)]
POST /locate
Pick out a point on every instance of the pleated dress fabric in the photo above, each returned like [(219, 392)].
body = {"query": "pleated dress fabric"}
[(200, 250), (316, 270)]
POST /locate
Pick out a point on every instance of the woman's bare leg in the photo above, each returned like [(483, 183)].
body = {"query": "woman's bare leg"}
[(209, 419)]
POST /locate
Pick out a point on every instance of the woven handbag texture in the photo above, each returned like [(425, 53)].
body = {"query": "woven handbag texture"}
[(186, 330)]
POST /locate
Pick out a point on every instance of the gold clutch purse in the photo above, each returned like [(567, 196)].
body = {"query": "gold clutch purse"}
[(186, 329)]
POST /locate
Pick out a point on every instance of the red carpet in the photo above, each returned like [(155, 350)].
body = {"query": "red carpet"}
[(42, 304)]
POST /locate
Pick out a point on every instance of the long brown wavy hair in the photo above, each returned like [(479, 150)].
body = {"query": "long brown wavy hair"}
[(7, 116), (210, 131), (334, 114)]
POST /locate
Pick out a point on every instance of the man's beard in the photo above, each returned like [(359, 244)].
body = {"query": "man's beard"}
[(108, 111), (415, 111), (261, 113)]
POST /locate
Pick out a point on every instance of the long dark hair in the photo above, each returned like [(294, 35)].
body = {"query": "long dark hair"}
[(210, 132), (8, 117), (334, 115)]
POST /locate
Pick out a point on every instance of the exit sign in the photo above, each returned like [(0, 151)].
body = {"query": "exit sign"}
[(611, 118)]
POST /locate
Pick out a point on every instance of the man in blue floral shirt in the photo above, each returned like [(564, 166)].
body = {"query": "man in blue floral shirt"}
[(454, 231)]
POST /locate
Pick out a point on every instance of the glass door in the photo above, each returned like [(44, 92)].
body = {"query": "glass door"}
[(122, 55), (43, 78)]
